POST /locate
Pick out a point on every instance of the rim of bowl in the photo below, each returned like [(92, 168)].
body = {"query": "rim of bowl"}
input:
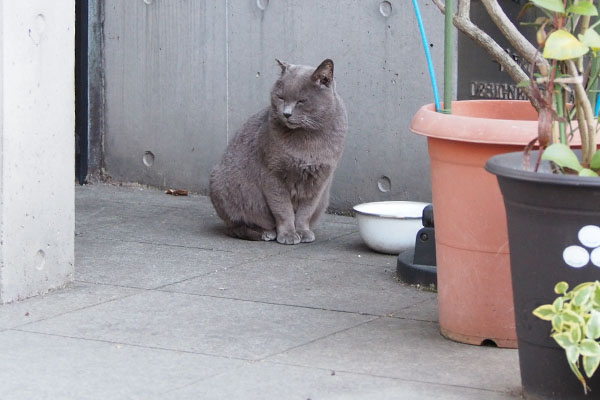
[(384, 215)]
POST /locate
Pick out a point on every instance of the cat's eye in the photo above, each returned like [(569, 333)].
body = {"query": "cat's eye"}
[(301, 101)]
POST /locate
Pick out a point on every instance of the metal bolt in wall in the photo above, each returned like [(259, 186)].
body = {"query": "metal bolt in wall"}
[(38, 28), (148, 159), (384, 184), (262, 4), (40, 260), (385, 8)]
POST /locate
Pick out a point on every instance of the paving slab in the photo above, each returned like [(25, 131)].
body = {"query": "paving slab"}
[(147, 265), (310, 283), (412, 350), (265, 381), (140, 195), (341, 219), (347, 249), (76, 296), (90, 196), (168, 220), (97, 208), (181, 228), (174, 309), (424, 311), (207, 325), (43, 367)]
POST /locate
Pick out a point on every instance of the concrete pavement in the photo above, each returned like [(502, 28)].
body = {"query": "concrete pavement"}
[(166, 307)]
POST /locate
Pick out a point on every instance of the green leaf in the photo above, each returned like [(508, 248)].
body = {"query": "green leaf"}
[(545, 312), (596, 299), (558, 304), (563, 156), (595, 163), (593, 326), (575, 334), (589, 347), (561, 45), (561, 288), (577, 288), (563, 340), (590, 38), (572, 317), (557, 323), (587, 172), (590, 365), (552, 5), (572, 354), (582, 296), (583, 8)]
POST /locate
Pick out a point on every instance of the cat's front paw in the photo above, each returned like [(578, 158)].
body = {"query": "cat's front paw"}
[(288, 238), (267, 236), (306, 236)]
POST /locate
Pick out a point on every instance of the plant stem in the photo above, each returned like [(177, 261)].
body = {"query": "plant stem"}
[(560, 110), (585, 23), (448, 51), (587, 130)]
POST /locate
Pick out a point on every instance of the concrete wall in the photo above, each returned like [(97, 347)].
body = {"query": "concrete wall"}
[(182, 75), (36, 146)]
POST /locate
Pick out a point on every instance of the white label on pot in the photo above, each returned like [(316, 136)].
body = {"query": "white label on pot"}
[(596, 257), (576, 256), (589, 236)]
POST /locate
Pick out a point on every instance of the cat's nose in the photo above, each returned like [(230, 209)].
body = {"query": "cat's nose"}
[(287, 114)]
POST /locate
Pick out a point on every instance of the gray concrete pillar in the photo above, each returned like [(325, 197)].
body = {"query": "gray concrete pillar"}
[(37, 120)]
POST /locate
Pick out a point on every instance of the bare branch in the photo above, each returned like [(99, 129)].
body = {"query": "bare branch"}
[(516, 38), (439, 4), (464, 9), (493, 49), (463, 23)]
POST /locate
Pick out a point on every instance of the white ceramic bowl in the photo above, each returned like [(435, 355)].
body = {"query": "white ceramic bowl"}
[(389, 226)]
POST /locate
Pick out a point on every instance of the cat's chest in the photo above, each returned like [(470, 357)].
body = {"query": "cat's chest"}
[(301, 158), (305, 168)]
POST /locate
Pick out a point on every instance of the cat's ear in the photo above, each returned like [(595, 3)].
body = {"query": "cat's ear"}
[(324, 73), (284, 66)]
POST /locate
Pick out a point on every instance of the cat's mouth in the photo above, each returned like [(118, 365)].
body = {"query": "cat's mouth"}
[(291, 125)]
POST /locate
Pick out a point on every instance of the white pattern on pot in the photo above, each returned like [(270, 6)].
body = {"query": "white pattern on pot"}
[(578, 256)]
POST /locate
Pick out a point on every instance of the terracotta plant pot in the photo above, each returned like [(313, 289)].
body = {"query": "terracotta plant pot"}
[(473, 260)]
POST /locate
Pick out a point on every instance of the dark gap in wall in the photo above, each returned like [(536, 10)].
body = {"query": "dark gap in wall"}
[(81, 90)]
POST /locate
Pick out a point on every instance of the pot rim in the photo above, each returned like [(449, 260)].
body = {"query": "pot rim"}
[(477, 128), (510, 165)]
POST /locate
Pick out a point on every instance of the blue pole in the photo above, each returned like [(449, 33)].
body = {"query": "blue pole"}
[(428, 56), (597, 110)]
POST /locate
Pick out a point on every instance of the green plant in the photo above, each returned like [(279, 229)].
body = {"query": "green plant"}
[(575, 317), (569, 43), (563, 79)]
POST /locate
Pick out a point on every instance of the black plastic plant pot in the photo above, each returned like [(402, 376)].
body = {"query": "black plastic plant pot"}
[(553, 229)]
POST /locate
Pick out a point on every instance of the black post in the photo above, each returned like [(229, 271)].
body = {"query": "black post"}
[(81, 90)]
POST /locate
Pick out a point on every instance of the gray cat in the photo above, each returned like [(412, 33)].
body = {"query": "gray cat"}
[(273, 181)]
